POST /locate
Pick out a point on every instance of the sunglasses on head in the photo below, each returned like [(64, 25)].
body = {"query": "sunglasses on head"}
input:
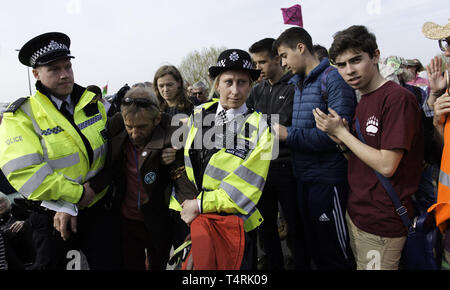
[(443, 43), (139, 102)]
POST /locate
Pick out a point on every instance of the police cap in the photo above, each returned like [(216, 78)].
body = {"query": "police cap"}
[(234, 59), (44, 49)]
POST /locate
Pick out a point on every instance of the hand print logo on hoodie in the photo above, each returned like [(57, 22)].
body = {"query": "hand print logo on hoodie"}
[(372, 126)]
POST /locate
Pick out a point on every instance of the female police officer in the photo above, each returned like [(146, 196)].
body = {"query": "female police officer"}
[(228, 151)]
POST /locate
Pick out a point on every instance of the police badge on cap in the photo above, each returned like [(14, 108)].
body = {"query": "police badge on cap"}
[(44, 49), (234, 59)]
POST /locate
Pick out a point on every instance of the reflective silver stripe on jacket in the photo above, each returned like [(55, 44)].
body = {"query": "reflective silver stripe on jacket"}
[(22, 162), (250, 177), (78, 180), (235, 194), (215, 172), (36, 159), (238, 197), (187, 161), (64, 162), (243, 172), (99, 152), (36, 180), (91, 174), (444, 178), (26, 108), (247, 216)]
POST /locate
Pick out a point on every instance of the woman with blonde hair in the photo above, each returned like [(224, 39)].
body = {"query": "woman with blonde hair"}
[(227, 156)]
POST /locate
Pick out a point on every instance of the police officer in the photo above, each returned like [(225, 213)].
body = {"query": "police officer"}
[(228, 151), (52, 144)]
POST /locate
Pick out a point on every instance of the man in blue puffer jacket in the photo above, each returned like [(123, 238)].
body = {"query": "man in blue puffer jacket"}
[(319, 166)]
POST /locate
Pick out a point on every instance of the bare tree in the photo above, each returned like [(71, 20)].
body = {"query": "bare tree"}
[(194, 66)]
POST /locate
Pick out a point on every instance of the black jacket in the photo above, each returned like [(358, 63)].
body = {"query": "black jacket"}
[(5, 186), (155, 178), (275, 99)]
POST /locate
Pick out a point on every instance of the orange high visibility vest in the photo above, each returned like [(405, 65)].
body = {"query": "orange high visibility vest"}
[(442, 207)]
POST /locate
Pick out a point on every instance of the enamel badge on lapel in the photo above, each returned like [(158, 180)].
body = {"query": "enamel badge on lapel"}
[(150, 177)]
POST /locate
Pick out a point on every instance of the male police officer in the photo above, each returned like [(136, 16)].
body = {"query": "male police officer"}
[(52, 144)]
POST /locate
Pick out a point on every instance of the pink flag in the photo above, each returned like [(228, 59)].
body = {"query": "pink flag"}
[(293, 15)]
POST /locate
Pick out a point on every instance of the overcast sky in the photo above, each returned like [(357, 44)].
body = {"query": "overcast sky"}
[(118, 42)]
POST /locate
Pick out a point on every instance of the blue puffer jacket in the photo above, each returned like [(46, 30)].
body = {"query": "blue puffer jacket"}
[(315, 156)]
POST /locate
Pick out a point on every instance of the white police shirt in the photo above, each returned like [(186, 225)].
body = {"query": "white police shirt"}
[(58, 102), (232, 113)]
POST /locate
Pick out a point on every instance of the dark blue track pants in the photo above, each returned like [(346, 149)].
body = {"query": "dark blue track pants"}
[(322, 209)]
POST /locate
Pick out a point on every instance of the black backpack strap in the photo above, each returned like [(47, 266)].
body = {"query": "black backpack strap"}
[(399, 208)]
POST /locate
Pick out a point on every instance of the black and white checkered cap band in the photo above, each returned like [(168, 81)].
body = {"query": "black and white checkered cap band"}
[(52, 46), (232, 58)]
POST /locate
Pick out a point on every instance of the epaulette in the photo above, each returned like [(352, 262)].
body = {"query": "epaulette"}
[(16, 105)]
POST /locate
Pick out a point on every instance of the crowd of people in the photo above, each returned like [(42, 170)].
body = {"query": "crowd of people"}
[(198, 175)]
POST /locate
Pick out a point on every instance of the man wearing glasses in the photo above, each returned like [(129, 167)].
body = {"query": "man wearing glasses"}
[(137, 137), (439, 100), (199, 93)]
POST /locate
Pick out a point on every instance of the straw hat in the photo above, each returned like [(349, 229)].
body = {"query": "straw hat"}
[(435, 31)]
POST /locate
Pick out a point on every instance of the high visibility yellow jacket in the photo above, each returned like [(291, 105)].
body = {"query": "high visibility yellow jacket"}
[(234, 178), (442, 207), (43, 156)]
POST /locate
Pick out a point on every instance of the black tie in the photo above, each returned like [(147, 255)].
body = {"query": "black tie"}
[(66, 112)]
